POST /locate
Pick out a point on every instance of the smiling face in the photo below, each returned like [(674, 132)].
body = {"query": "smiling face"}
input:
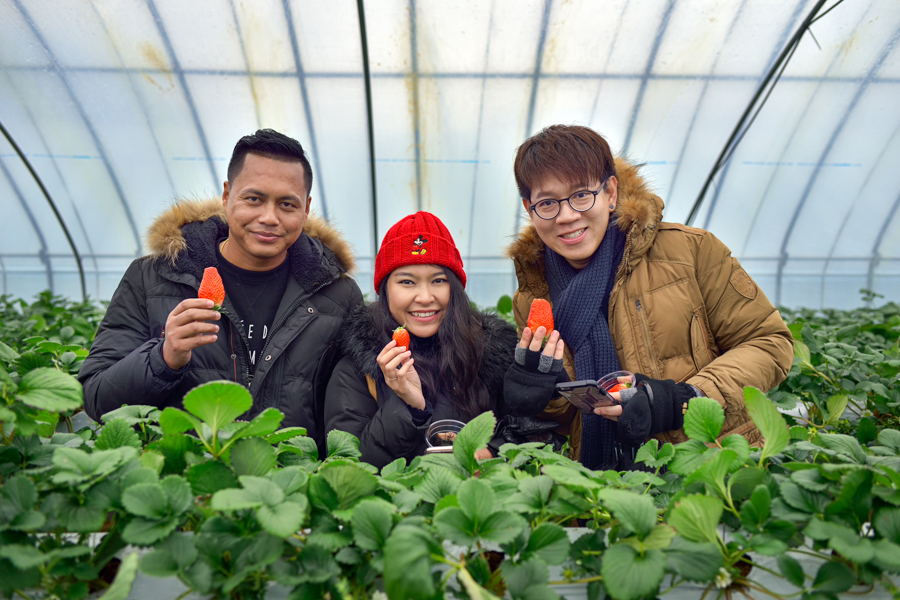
[(573, 235), (266, 206), (418, 295)]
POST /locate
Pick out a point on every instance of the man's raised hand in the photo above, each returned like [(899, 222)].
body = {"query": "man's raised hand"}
[(187, 329)]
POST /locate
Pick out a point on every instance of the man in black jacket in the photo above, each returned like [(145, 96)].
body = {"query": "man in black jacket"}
[(287, 295)]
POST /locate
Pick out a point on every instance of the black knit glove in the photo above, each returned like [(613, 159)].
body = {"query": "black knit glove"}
[(530, 382), (652, 407)]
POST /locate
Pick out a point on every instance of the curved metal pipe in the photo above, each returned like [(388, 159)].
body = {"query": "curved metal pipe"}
[(52, 204), (370, 122), (738, 134)]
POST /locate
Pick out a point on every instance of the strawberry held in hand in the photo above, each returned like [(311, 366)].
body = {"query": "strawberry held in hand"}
[(540, 315), (401, 336), (211, 288)]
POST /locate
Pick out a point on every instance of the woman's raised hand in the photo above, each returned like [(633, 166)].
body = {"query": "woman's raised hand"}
[(396, 363), (555, 347)]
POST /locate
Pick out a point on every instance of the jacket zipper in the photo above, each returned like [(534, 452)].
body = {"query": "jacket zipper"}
[(245, 359), (646, 336), (705, 337), (623, 264), (287, 314)]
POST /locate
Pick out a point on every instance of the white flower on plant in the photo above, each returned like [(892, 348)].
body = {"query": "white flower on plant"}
[(379, 595), (723, 578)]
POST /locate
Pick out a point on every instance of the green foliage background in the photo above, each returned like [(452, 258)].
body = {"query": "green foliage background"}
[(230, 507)]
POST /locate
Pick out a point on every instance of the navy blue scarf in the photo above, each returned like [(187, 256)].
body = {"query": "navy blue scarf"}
[(581, 315)]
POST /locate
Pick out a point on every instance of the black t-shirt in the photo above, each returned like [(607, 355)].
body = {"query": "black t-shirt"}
[(255, 296)]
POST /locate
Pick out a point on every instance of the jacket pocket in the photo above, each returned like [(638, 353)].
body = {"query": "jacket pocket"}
[(700, 348)]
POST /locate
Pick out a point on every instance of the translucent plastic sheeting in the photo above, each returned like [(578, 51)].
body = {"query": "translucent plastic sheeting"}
[(123, 105)]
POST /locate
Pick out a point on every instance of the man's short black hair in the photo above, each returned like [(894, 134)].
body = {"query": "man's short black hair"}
[(270, 144)]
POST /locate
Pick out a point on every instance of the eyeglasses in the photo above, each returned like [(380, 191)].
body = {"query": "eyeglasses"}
[(580, 201)]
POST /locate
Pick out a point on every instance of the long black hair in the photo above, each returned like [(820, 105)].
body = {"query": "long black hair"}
[(450, 366)]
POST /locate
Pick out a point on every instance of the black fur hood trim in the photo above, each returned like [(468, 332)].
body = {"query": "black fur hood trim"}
[(183, 239), (362, 343)]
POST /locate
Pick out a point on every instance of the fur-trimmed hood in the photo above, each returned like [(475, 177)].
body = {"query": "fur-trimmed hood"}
[(638, 210), (363, 342), (184, 236)]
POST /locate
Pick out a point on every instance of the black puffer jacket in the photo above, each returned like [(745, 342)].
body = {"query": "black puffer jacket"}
[(125, 365), (385, 427)]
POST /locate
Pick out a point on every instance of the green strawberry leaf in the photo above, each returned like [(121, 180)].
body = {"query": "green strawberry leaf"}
[(473, 437), (791, 569), (50, 389), (833, 577), (169, 557), (289, 479), (549, 542), (342, 445), (349, 482), (437, 483), (769, 422), (527, 579), (704, 419), (634, 511), (115, 434), (210, 477), (476, 499), (696, 518), (145, 532), (173, 421), (218, 403), (836, 406), (654, 456), (887, 524), (629, 576), (282, 435), (372, 522), (282, 520), (147, 500), (408, 563), (252, 456), (695, 561)]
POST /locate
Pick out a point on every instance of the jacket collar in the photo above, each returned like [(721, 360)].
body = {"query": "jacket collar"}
[(184, 238), (362, 342), (638, 210)]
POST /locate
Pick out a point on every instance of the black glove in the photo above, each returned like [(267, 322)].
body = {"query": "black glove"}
[(653, 407), (530, 382)]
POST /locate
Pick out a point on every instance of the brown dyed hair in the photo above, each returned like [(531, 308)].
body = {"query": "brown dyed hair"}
[(571, 153)]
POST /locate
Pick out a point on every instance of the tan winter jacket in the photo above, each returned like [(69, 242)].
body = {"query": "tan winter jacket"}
[(681, 308)]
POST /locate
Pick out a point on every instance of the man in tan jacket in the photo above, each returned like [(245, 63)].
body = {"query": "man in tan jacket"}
[(662, 300)]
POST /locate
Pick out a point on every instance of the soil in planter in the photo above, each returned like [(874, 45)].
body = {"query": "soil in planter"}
[(107, 575)]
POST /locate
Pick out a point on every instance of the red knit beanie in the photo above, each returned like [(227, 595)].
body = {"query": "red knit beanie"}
[(419, 239)]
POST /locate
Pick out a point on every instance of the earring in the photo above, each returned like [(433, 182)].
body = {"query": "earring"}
[(612, 207)]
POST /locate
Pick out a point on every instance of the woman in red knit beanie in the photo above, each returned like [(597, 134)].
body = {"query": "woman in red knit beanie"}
[(387, 394)]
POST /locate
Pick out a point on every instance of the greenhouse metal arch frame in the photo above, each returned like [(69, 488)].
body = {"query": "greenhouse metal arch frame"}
[(408, 105)]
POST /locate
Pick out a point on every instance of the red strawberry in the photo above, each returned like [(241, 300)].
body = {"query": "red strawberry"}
[(540, 315), (618, 387), (211, 288), (401, 336)]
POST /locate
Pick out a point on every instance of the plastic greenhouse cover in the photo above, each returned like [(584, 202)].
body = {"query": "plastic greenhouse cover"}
[(122, 106)]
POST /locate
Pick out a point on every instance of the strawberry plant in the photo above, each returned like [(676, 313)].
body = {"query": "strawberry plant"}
[(233, 508), (52, 317), (846, 364)]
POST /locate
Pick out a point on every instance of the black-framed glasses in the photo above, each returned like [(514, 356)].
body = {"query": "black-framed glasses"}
[(580, 201)]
